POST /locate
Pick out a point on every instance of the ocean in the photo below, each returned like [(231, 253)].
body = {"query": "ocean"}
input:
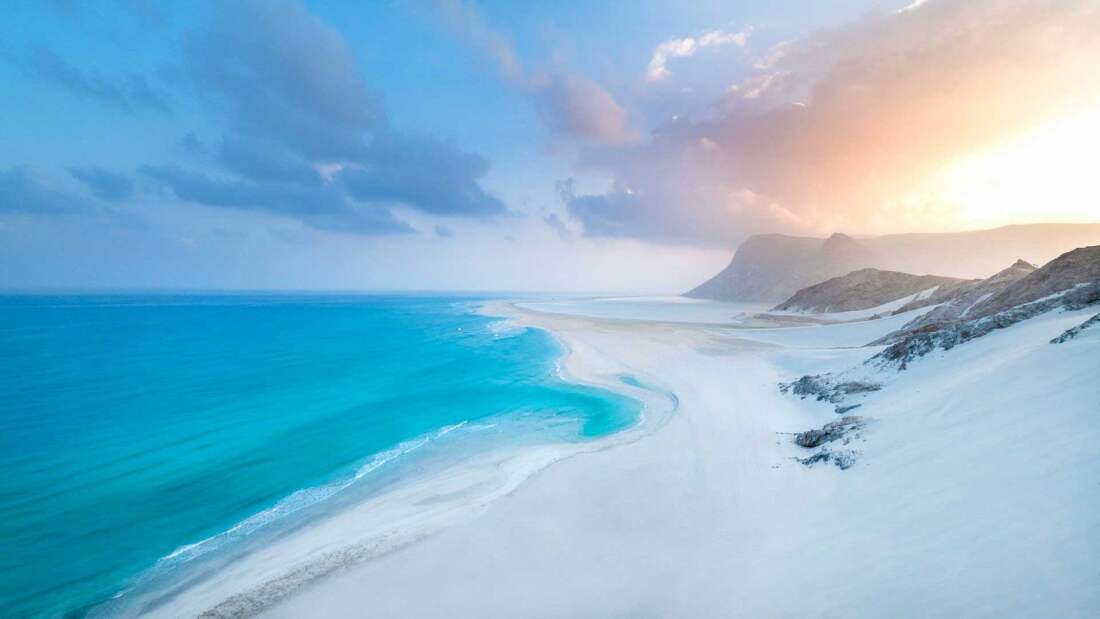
[(141, 434)]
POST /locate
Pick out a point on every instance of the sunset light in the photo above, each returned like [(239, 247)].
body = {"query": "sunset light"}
[(1048, 174)]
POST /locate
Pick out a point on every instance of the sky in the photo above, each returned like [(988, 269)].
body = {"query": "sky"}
[(568, 146)]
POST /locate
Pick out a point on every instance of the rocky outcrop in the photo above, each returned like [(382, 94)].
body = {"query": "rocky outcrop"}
[(844, 459), (957, 302), (825, 388), (863, 289), (1069, 334), (773, 267), (1070, 281), (832, 431), (843, 430), (1074, 276), (953, 301), (914, 344), (1080, 266)]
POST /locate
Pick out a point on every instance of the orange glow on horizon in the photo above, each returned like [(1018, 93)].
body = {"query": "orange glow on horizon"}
[(1047, 174)]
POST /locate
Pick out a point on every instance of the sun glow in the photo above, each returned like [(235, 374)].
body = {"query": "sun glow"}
[(1048, 174)]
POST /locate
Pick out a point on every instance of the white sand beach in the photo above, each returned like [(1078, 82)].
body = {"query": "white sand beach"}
[(974, 494)]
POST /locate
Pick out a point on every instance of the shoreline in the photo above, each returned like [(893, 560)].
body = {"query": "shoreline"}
[(709, 512), (411, 510)]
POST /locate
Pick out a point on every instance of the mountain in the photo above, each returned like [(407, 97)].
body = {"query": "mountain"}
[(863, 289), (773, 267)]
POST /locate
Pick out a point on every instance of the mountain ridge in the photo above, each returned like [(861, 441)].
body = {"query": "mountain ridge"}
[(773, 267), (863, 289)]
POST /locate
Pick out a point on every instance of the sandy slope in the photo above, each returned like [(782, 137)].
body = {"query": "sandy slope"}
[(978, 493)]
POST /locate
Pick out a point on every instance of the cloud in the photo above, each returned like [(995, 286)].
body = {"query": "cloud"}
[(261, 160), (324, 208), (467, 21), (129, 93), (682, 48), (426, 174), (104, 184), (576, 106), (569, 104), (443, 231), (307, 138), (831, 131), (284, 75), (20, 192)]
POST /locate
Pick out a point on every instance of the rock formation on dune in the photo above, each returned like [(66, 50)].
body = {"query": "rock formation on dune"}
[(1071, 281), (863, 289), (954, 317), (773, 267), (1080, 266), (957, 302), (1073, 332)]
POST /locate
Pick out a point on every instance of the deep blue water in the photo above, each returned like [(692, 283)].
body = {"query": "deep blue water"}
[(133, 426)]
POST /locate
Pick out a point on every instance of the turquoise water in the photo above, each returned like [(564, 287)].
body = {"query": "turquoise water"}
[(134, 426)]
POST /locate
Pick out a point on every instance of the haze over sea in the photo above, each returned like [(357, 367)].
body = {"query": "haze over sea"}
[(141, 435)]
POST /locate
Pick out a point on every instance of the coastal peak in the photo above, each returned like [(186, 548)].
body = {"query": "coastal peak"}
[(1018, 269), (775, 266), (839, 239)]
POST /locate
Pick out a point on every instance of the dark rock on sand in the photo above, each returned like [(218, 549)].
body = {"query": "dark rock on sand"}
[(1069, 334), (914, 345), (825, 389), (843, 459), (832, 431)]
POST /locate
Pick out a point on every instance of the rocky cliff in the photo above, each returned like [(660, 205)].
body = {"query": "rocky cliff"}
[(774, 266)]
